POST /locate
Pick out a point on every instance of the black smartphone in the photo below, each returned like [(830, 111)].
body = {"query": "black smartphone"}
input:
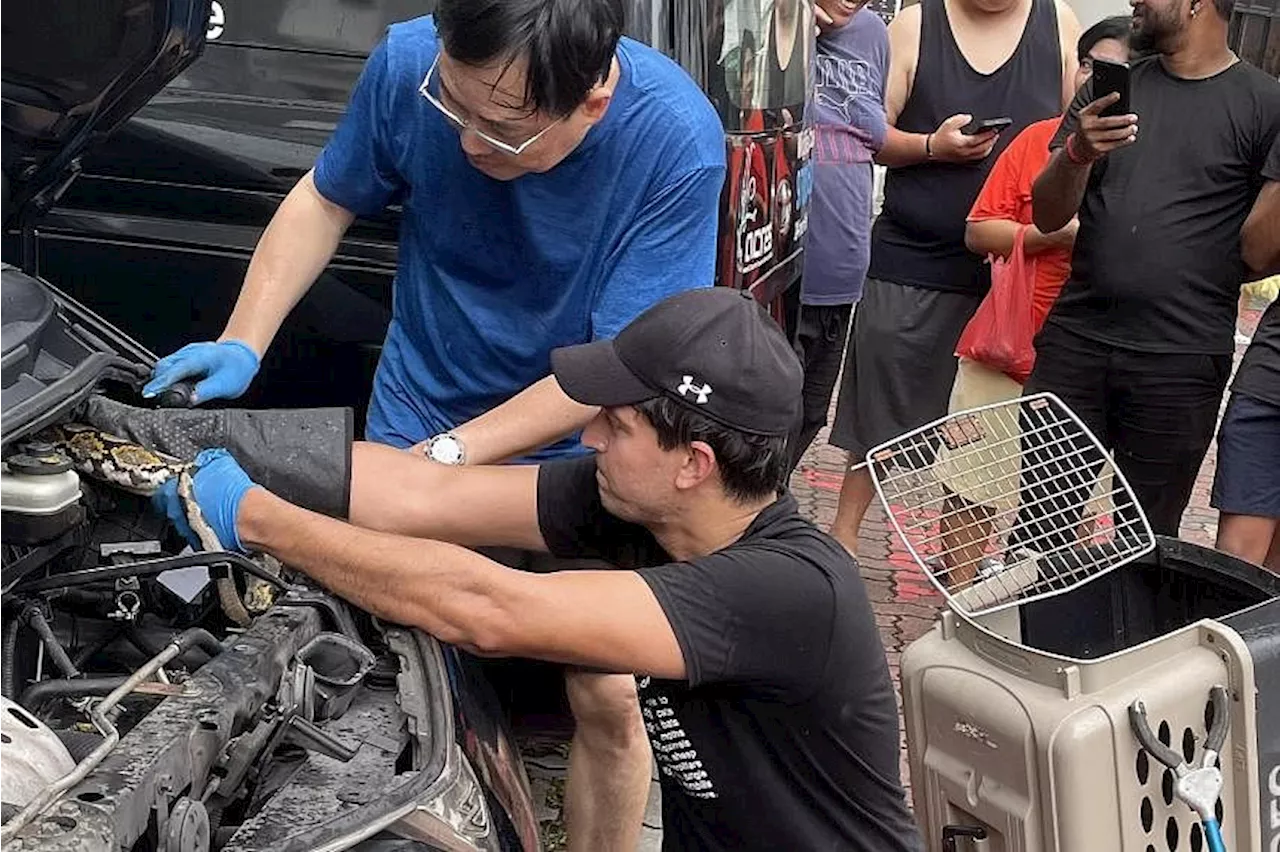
[(1111, 77), (982, 125)]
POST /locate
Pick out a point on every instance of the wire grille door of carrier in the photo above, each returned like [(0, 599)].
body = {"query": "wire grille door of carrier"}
[(1009, 503)]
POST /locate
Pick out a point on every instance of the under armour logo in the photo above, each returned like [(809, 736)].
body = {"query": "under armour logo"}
[(688, 386)]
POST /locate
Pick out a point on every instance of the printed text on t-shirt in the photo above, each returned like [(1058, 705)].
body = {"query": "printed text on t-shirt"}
[(674, 752)]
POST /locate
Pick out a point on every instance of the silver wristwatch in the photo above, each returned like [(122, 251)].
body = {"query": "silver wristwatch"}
[(446, 448)]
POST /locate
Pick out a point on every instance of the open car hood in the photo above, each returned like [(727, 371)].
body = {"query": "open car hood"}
[(73, 70)]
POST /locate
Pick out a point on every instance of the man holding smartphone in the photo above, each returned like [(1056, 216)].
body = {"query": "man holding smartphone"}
[(951, 63), (1140, 341)]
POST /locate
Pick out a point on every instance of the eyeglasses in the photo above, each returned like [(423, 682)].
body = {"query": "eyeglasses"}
[(462, 125)]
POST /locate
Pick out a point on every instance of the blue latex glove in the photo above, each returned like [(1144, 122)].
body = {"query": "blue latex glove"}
[(218, 486), (225, 368)]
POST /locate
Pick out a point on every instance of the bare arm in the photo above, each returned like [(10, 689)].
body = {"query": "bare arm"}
[(996, 236), (605, 619), (946, 143), (901, 149), (292, 252), (496, 505), (539, 415), (1260, 235), (1057, 193), (1068, 36)]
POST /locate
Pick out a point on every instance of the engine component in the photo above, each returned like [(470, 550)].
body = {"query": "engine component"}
[(180, 740), (338, 664), (32, 755), (40, 497), (151, 566), (100, 715), (30, 614), (188, 827)]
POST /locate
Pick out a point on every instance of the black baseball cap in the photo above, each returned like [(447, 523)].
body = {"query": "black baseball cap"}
[(715, 351)]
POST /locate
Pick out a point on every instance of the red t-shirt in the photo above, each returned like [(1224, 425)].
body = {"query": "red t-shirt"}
[(1007, 195)]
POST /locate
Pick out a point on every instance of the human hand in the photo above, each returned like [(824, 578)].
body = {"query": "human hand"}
[(225, 369), (833, 14), (822, 20), (1098, 135), (949, 145), (218, 485)]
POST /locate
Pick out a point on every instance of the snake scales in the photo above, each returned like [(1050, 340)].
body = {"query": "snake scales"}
[(139, 470)]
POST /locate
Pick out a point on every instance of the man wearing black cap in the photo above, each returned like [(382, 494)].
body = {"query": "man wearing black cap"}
[(762, 680)]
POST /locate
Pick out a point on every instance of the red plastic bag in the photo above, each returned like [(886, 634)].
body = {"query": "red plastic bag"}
[(1001, 331)]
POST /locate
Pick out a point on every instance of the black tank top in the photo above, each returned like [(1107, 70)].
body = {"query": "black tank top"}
[(918, 238)]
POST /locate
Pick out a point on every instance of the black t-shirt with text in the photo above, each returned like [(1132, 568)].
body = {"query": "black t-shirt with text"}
[(1157, 264), (1259, 373), (785, 734)]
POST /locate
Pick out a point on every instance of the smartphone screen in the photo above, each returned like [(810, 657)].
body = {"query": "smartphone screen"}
[(1111, 77)]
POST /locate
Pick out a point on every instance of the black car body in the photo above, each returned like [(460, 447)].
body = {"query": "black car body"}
[(157, 231)]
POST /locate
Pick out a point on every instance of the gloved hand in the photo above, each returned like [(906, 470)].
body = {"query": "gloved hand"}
[(226, 369), (218, 486)]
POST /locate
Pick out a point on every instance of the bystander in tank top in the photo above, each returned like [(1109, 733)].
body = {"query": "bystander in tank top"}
[(918, 238)]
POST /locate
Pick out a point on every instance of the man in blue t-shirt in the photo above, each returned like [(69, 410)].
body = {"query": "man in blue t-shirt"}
[(556, 180)]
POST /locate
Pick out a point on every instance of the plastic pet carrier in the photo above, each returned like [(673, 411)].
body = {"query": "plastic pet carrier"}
[(1091, 687)]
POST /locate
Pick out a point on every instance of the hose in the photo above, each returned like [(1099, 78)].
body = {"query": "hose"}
[(51, 644), (88, 651), (80, 744), (35, 695), (196, 638), (38, 693), (151, 566), (1213, 836), (8, 657)]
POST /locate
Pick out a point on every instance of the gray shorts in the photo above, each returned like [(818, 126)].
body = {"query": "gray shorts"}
[(900, 362)]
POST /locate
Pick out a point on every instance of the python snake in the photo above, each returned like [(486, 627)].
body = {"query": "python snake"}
[(114, 460), (134, 468)]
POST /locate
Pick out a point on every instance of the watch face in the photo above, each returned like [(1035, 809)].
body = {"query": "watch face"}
[(446, 449)]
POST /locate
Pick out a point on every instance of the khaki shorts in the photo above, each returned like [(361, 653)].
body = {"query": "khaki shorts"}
[(987, 472)]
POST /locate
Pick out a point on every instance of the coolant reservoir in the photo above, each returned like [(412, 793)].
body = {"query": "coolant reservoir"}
[(40, 500)]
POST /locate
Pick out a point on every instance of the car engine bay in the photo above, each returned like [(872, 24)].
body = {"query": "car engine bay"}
[(159, 698)]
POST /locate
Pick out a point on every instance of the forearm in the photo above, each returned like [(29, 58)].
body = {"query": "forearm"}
[(292, 252), (902, 149), (474, 506), (452, 593), (1058, 192), (996, 236), (607, 620), (537, 416)]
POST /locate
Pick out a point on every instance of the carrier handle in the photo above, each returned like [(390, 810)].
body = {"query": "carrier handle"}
[(1148, 740)]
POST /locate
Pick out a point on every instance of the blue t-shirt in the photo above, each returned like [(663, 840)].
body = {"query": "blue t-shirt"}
[(493, 275), (850, 68)]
